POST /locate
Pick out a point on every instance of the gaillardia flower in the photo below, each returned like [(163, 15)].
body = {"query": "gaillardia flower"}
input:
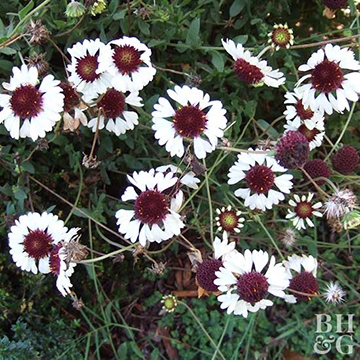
[(84, 69), (229, 220), (345, 160), (317, 168), (306, 121), (258, 171), (304, 283), (248, 280), (33, 238), (30, 110), (251, 69), (331, 81), (154, 216), (194, 117), (303, 211), (205, 274), (128, 61), (292, 150), (114, 116), (281, 37)]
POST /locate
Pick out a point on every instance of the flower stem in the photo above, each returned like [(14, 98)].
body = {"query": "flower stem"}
[(109, 254)]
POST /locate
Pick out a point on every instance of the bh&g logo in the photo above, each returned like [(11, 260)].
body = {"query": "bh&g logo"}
[(342, 343)]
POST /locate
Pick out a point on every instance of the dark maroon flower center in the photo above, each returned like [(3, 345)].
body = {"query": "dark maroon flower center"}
[(327, 76), (55, 260), (252, 287), (302, 113), (228, 220), (304, 209), (126, 59), (205, 274), (151, 206), (26, 101), (306, 283), (71, 99), (113, 103), (37, 243), (251, 74), (317, 168), (260, 179), (86, 68), (189, 121), (309, 134), (335, 4)]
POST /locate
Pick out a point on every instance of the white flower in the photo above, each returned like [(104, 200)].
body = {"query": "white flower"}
[(247, 283), (128, 61), (258, 171), (31, 110), (84, 69), (229, 220), (304, 283), (281, 37), (154, 217), (59, 265), (113, 116), (195, 116), (306, 121), (251, 69), (31, 240), (334, 293), (189, 179), (329, 85), (303, 211), (223, 247)]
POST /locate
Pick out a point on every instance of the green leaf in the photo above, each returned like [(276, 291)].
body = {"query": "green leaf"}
[(241, 39), (120, 15), (7, 51), (28, 167), (122, 351), (23, 12), (192, 37), (144, 27), (236, 7), (265, 125), (217, 60)]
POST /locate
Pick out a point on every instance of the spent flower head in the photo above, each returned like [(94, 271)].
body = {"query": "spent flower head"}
[(334, 293)]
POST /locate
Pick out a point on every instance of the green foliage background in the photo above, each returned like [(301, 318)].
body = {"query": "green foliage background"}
[(122, 299)]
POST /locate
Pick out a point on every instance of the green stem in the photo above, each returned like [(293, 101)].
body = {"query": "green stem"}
[(342, 132), (270, 237), (28, 16), (109, 254), (210, 204), (202, 328)]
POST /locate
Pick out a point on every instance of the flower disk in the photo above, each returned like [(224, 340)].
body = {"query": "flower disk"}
[(346, 160), (71, 99), (205, 274), (304, 114), (55, 260), (335, 4), (252, 287), (26, 101), (309, 134), (37, 244), (292, 150), (126, 59), (113, 103), (248, 73), (260, 179), (304, 209), (317, 168), (151, 206), (327, 76), (304, 282), (189, 121), (228, 220), (86, 68)]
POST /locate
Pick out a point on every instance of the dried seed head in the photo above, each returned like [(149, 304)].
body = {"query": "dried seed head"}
[(158, 268), (288, 238), (38, 61), (38, 32), (74, 250), (78, 304), (42, 144), (90, 163), (195, 80), (342, 202)]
